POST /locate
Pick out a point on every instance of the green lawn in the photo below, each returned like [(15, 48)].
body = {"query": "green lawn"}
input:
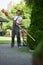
[(5, 41)]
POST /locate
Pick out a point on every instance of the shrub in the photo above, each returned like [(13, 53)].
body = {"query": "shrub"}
[(36, 27), (39, 49), (37, 35), (38, 54)]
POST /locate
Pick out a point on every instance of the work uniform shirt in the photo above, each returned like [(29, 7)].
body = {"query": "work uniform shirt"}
[(19, 18)]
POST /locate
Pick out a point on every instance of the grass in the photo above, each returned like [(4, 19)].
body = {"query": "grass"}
[(5, 41)]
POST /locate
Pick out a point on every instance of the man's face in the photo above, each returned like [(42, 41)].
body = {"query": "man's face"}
[(18, 13)]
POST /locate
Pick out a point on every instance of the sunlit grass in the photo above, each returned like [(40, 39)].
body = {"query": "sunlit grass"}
[(5, 41)]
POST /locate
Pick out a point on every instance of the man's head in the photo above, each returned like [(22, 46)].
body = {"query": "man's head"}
[(18, 12)]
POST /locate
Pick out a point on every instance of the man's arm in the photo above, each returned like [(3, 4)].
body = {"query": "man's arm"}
[(9, 17), (3, 11), (20, 22)]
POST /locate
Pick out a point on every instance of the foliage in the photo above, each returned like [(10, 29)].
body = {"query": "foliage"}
[(29, 2), (39, 50), (36, 27), (25, 23), (7, 25), (37, 35)]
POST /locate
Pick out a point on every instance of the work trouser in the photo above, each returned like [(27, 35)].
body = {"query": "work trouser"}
[(16, 31)]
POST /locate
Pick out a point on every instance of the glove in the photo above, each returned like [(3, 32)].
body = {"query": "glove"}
[(3, 11)]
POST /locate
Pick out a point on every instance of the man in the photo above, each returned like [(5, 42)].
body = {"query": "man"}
[(17, 20)]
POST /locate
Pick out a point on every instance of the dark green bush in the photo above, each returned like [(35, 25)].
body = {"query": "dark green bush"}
[(38, 54), (36, 27), (39, 50), (37, 35)]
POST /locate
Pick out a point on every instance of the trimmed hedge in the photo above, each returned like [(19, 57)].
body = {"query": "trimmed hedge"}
[(36, 27), (39, 50), (38, 54), (37, 35)]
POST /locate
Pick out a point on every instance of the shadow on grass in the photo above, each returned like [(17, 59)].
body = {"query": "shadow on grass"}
[(25, 50)]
